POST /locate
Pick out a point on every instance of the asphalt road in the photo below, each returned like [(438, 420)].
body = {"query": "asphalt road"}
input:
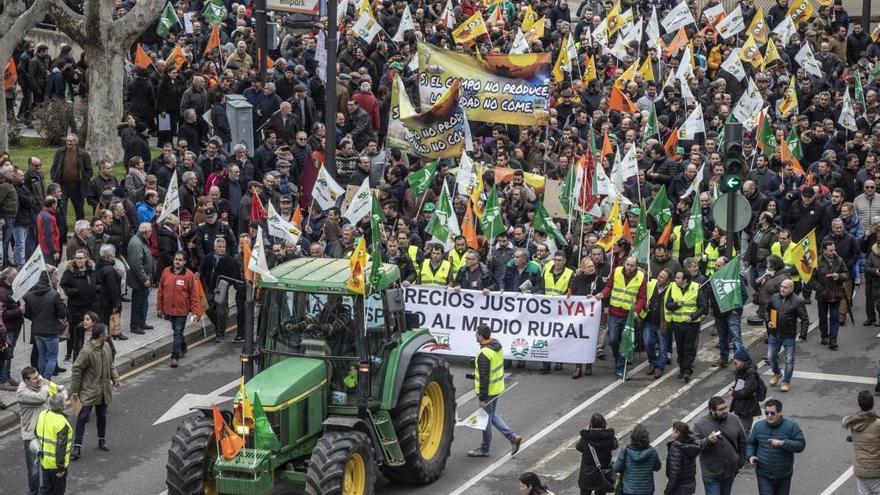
[(547, 410)]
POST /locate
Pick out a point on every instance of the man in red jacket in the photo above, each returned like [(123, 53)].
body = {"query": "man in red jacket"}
[(178, 296), (368, 102), (47, 232)]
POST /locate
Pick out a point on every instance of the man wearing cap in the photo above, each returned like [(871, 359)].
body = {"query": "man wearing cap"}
[(489, 385), (213, 229), (303, 107)]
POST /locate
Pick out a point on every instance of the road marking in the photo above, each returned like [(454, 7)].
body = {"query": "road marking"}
[(838, 482), (184, 405), (543, 433), (831, 377)]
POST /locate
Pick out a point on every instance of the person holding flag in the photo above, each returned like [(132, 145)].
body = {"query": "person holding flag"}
[(686, 306), (625, 292), (729, 291)]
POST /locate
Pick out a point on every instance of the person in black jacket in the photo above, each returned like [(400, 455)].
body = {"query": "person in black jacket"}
[(681, 461), (216, 270), (585, 282), (829, 280), (394, 255), (785, 309), (168, 97), (137, 144), (168, 241), (475, 275), (79, 283), (108, 286), (142, 98), (45, 309), (744, 394), (600, 439), (24, 220)]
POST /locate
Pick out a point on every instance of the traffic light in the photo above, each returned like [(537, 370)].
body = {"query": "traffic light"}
[(734, 164)]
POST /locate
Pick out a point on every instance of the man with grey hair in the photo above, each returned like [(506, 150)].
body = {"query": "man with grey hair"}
[(33, 395), (218, 272), (82, 230), (56, 441), (8, 207), (190, 130), (72, 168), (142, 266)]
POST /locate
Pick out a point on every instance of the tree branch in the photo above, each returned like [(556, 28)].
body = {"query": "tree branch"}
[(12, 9), (68, 21), (138, 19)]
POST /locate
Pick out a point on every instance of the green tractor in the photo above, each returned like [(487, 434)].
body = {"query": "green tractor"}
[(344, 387)]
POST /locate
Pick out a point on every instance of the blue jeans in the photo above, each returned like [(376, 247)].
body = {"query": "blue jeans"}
[(33, 469), (729, 328), (718, 486), (47, 355), (829, 320), (770, 486), (497, 422), (615, 330), (773, 347), (655, 345), (140, 302), (23, 244), (6, 366), (178, 323)]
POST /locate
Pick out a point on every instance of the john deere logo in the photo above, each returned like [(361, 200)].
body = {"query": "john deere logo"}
[(519, 348)]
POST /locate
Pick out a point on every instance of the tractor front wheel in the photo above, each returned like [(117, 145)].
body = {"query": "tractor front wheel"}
[(192, 453), (424, 419), (342, 464)]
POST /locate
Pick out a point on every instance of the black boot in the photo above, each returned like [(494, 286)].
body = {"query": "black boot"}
[(102, 444)]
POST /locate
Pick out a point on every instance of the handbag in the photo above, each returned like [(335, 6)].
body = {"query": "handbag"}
[(607, 474), (64, 332), (115, 324)]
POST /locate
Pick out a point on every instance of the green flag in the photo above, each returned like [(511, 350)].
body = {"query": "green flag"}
[(167, 21), (544, 223), (694, 235), (860, 90), (875, 71), (376, 220), (215, 12), (651, 129), (767, 137), (567, 196), (438, 226), (661, 208), (794, 144), (264, 437), (720, 144), (593, 148), (628, 337), (642, 244), (421, 179), (725, 284), (491, 222)]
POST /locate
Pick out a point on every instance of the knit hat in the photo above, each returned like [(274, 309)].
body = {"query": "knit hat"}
[(742, 354)]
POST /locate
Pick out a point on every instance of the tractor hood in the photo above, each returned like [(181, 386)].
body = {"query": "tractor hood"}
[(287, 382)]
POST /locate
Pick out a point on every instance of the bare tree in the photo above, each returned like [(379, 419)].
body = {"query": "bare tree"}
[(105, 40), (16, 19)]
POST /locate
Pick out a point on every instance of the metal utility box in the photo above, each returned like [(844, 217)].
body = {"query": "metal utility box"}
[(241, 121)]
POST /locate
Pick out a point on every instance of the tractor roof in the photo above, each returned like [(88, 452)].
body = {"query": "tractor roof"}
[(325, 275)]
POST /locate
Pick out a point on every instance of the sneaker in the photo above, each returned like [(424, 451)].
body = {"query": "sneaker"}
[(785, 387), (514, 445), (774, 379), (802, 338), (478, 453), (238, 340)]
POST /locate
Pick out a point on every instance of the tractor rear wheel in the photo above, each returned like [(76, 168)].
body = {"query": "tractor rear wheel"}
[(192, 453), (342, 464), (424, 419)]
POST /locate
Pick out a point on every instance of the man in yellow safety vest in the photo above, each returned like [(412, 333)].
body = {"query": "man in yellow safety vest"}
[(555, 281), (56, 440), (686, 307), (626, 290), (488, 385), (435, 270)]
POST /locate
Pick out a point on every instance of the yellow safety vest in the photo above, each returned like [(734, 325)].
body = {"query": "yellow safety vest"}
[(687, 299), (457, 261), (776, 249), (558, 286), (430, 277), (623, 294), (712, 254), (676, 244), (52, 429), (413, 252), (496, 371)]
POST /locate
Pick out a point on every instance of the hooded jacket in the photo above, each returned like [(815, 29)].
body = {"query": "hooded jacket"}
[(637, 468), (604, 442), (864, 427), (681, 463), (744, 402), (43, 306)]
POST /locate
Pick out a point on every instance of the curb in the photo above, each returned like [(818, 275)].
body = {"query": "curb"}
[(153, 351)]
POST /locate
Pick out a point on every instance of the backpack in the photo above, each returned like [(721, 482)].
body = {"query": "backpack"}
[(761, 390)]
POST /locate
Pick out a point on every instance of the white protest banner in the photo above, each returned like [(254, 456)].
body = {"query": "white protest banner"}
[(29, 274), (529, 327), (360, 204), (172, 198), (279, 227)]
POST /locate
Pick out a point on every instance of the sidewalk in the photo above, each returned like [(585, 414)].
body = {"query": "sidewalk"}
[(131, 353)]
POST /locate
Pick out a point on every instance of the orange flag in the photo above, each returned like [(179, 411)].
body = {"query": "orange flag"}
[(785, 154), (671, 143), (469, 227), (176, 56), (200, 291), (667, 233), (230, 442), (297, 218), (10, 75), (627, 233), (214, 40), (141, 59), (620, 102), (246, 255), (677, 43), (606, 145)]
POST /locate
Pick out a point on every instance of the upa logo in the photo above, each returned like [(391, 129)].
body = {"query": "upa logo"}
[(540, 344), (519, 348)]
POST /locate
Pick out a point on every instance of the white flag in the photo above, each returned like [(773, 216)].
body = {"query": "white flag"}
[(695, 184), (520, 45), (321, 55), (732, 24), (280, 227), (572, 54), (712, 13), (600, 34), (172, 198), (624, 169), (341, 10), (326, 190), (478, 420), (366, 28), (693, 125), (749, 106), (448, 15), (686, 94), (805, 59), (454, 227), (686, 65), (360, 204), (29, 274), (257, 262), (733, 65), (466, 177), (619, 50), (847, 116), (406, 24), (634, 34), (603, 183), (653, 31), (678, 17), (785, 30)]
